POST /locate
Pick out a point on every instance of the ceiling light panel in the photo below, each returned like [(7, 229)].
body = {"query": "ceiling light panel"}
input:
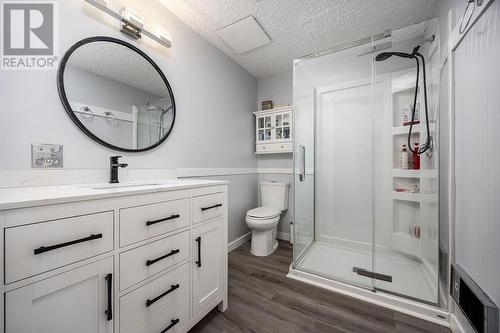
[(244, 35)]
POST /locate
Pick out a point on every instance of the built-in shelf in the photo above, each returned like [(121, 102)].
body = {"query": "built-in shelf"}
[(415, 197), (422, 173), (403, 242), (403, 130)]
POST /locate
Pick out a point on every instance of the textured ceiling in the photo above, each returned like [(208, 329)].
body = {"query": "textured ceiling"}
[(118, 63), (297, 27)]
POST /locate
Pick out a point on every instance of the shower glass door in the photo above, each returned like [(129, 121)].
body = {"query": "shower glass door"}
[(363, 217), (406, 222), (304, 108), (333, 200)]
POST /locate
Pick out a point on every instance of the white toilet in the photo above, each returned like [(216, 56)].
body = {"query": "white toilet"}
[(264, 220)]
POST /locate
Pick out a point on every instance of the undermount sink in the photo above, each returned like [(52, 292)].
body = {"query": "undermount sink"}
[(121, 185)]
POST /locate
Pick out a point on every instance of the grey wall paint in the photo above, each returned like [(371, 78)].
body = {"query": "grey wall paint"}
[(215, 98), (243, 196), (279, 89)]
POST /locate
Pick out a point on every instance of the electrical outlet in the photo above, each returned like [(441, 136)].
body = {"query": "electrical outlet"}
[(46, 155)]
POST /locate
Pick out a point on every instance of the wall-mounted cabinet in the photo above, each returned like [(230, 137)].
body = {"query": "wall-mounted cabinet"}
[(273, 130)]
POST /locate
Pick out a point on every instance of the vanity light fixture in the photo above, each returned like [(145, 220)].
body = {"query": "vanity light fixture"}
[(131, 23)]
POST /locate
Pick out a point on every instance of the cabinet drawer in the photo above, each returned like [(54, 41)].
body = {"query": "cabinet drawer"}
[(143, 222), (168, 303), (208, 206), (37, 248), (140, 263), (274, 147)]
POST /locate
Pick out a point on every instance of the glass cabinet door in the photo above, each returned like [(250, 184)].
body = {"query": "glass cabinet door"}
[(264, 128), (283, 126)]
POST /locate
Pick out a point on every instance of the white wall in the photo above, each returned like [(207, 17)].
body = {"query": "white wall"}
[(215, 98), (474, 224), (477, 153), (277, 88)]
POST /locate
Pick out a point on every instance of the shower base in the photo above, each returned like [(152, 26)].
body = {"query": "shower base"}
[(325, 265)]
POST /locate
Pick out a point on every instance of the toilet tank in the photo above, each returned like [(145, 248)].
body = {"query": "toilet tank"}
[(274, 194)]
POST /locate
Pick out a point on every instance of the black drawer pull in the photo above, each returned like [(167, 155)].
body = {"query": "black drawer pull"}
[(173, 322), (109, 311), (172, 288), (198, 262), (171, 217), (171, 253), (43, 249), (210, 207)]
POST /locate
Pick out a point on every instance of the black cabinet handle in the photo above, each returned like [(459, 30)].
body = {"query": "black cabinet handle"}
[(43, 249), (171, 253), (173, 322), (198, 262), (172, 288), (210, 207), (109, 311), (171, 217)]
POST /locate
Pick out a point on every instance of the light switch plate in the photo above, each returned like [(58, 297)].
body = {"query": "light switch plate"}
[(46, 155)]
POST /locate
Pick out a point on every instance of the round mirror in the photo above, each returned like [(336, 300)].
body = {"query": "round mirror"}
[(116, 94)]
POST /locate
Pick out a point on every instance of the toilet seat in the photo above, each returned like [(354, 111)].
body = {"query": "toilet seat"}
[(263, 213)]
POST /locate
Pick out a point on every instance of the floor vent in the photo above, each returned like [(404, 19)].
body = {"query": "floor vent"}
[(477, 307)]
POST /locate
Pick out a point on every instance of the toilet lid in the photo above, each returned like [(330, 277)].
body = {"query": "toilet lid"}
[(264, 212)]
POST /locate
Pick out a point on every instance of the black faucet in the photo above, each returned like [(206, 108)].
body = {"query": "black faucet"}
[(113, 168)]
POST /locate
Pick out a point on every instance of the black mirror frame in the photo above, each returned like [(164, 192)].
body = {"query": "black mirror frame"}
[(69, 110)]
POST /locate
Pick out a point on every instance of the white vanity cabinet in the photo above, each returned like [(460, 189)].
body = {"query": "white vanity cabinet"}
[(79, 300), (207, 269), (151, 261), (273, 130)]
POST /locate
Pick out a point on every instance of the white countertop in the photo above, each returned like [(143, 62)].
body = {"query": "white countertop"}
[(21, 197)]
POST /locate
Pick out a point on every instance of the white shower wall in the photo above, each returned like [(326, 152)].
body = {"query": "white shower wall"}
[(353, 164)]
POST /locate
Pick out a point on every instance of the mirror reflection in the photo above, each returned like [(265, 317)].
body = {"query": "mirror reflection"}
[(118, 96)]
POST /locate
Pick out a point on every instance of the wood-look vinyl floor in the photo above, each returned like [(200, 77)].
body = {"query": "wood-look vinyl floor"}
[(263, 299)]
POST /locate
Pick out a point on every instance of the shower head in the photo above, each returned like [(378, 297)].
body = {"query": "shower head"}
[(386, 55)]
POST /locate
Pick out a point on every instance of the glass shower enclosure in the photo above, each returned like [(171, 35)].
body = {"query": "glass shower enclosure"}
[(366, 206)]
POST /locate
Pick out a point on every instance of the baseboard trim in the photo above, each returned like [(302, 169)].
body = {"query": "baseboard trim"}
[(456, 327), (283, 236), (238, 242)]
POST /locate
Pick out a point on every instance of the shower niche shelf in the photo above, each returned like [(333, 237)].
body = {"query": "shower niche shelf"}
[(409, 173), (414, 195), (403, 130)]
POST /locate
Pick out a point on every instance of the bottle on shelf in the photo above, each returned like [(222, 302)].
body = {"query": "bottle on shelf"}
[(416, 118), (416, 157), (407, 114), (404, 159)]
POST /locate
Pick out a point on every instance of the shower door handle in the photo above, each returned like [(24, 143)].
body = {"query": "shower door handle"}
[(302, 163)]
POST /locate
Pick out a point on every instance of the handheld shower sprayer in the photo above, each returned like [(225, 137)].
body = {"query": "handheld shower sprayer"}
[(427, 146)]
